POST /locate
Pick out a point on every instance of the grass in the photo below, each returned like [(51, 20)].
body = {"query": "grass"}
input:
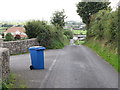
[(13, 82), (20, 53), (106, 52), (80, 32), (77, 42), (2, 29)]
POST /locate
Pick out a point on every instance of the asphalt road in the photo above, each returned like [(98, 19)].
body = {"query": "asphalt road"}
[(71, 67)]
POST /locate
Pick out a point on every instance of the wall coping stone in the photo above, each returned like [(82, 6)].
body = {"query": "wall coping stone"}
[(19, 40)]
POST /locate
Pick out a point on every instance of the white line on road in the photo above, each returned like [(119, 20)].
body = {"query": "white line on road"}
[(50, 69)]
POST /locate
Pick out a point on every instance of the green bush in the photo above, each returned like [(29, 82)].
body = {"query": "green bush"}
[(56, 44), (49, 36), (9, 37), (104, 26), (58, 39), (69, 34), (12, 82), (44, 38), (103, 35), (34, 27)]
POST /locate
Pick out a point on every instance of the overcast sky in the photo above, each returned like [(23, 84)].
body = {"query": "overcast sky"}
[(12, 10)]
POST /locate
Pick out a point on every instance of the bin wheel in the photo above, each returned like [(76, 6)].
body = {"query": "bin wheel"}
[(31, 67)]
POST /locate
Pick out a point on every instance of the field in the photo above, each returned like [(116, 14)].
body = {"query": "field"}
[(2, 29), (77, 42), (80, 32)]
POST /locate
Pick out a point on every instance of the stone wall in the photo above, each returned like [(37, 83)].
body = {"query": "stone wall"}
[(4, 64), (1, 41), (20, 46)]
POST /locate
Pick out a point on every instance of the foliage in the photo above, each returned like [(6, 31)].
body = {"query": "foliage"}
[(57, 40), (69, 34), (12, 82), (86, 9), (34, 27), (44, 37), (9, 83), (49, 36), (17, 37), (58, 18), (9, 37), (52, 37), (119, 36), (103, 36), (104, 25)]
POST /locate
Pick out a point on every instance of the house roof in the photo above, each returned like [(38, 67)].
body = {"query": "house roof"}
[(14, 29)]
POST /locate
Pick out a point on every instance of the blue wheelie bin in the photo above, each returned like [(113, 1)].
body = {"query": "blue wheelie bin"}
[(37, 57)]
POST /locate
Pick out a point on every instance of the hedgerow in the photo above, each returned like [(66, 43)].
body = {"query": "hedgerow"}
[(49, 36)]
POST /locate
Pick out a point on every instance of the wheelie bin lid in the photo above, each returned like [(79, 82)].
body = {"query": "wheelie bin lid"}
[(37, 48)]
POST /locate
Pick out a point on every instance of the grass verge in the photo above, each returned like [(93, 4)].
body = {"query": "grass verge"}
[(20, 53), (106, 52), (13, 82)]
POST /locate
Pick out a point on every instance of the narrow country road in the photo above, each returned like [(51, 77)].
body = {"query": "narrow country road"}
[(71, 67)]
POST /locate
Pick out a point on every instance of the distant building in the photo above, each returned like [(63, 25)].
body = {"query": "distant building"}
[(16, 31), (74, 25)]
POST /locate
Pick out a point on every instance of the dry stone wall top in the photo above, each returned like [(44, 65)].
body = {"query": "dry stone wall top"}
[(20, 46)]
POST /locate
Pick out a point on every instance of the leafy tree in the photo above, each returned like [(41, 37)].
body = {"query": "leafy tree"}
[(49, 36), (104, 26), (9, 37), (86, 9), (45, 36), (34, 27), (58, 18)]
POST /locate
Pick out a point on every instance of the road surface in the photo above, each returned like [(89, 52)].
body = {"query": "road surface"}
[(71, 67)]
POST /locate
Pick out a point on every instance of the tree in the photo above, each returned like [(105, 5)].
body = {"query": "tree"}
[(86, 9), (34, 27), (9, 37), (59, 18), (49, 36), (45, 36)]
